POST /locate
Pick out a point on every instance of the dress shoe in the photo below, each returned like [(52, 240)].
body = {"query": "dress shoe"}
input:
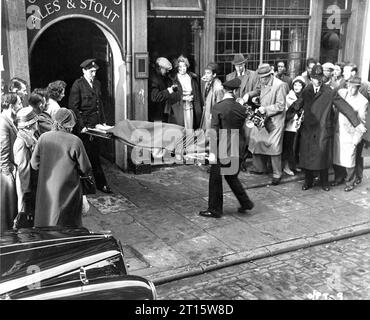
[(306, 186), (275, 181), (209, 214), (246, 208), (289, 172), (358, 181), (336, 183), (325, 188), (106, 189), (348, 188)]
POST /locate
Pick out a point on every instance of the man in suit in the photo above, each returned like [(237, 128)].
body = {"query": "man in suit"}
[(249, 78), (228, 118), (86, 102), (317, 130)]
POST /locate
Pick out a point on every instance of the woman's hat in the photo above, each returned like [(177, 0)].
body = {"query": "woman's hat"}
[(26, 117), (264, 70), (355, 81), (299, 79), (239, 59), (65, 118)]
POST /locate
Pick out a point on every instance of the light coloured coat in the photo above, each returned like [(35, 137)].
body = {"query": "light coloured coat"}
[(215, 95), (273, 98), (346, 137)]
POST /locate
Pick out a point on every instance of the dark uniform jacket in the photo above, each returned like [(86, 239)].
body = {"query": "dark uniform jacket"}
[(317, 130), (86, 103), (228, 115)]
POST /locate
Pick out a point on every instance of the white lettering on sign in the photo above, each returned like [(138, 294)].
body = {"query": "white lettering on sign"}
[(40, 12)]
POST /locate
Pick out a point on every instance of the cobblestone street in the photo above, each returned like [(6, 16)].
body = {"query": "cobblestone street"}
[(340, 270)]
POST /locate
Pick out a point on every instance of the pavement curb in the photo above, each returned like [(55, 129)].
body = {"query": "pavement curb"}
[(259, 253)]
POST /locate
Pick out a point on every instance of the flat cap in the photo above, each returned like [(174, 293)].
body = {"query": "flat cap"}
[(232, 84), (164, 63), (328, 65), (355, 81), (89, 64)]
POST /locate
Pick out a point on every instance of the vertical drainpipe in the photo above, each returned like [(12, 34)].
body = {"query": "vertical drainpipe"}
[(129, 70), (262, 30)]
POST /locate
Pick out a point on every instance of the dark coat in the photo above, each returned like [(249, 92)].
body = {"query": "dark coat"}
[(59, 157), (249, 83), (8, 193), (159, 96), (228, 114), (86, 103), (317, 130), (176, 104), (45, 122)]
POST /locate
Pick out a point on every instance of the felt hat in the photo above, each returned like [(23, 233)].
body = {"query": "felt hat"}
[(65, 118), (164, 63), (355, 81), (26, 117), (239, 59), (264, 70)]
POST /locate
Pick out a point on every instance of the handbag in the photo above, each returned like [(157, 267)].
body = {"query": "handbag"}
[(88, 185)]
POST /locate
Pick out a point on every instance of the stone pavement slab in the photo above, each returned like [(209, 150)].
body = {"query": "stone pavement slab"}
[(155, 216)]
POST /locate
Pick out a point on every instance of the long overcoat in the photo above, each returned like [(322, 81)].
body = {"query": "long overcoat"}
[(273, 98), (8, 205), (214, 96), (317, 130), (175, 104), (59, 157), (346, 138)]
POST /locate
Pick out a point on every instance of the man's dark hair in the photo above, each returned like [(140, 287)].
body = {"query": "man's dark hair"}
[(15, 84), (35, 99), (311, 60), (8, 99)]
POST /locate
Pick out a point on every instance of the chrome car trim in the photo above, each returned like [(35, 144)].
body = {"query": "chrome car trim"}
[(154, 291), (35, 278), (56, 240), (43, 247), (89, 289), (83, 276)]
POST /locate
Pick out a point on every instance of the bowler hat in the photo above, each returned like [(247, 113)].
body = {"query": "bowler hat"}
[(89, 64), (264, 70), (355, 81), (26, 117), (317, 72), (239, 59), (232, 84), (65, 118)]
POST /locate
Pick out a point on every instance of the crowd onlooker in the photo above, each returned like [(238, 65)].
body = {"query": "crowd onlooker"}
[(38, 101), (60, 158), (10, 105), (185, 105), (56, 92)]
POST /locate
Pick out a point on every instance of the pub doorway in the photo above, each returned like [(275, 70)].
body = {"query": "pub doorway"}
[(57, 55)]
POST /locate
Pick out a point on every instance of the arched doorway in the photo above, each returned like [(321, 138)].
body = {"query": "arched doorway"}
[(58, 52)]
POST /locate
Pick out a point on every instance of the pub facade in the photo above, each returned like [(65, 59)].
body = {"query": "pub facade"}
[(46, 40)]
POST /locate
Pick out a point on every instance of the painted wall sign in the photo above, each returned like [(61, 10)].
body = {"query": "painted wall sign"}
[(39, 13)]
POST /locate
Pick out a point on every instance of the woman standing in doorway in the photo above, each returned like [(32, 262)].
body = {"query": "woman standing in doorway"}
[(184, 106)]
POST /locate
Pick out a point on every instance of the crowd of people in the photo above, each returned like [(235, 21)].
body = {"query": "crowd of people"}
[(45, 153), (313, 122)]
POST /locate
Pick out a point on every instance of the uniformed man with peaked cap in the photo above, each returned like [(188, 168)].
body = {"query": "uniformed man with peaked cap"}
[(86, 101), (228, 117)]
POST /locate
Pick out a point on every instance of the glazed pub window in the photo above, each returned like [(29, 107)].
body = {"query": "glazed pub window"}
[(239, 27)]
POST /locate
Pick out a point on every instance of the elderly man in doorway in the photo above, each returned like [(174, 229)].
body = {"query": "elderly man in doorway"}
[(264, 143), (160, 90)]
